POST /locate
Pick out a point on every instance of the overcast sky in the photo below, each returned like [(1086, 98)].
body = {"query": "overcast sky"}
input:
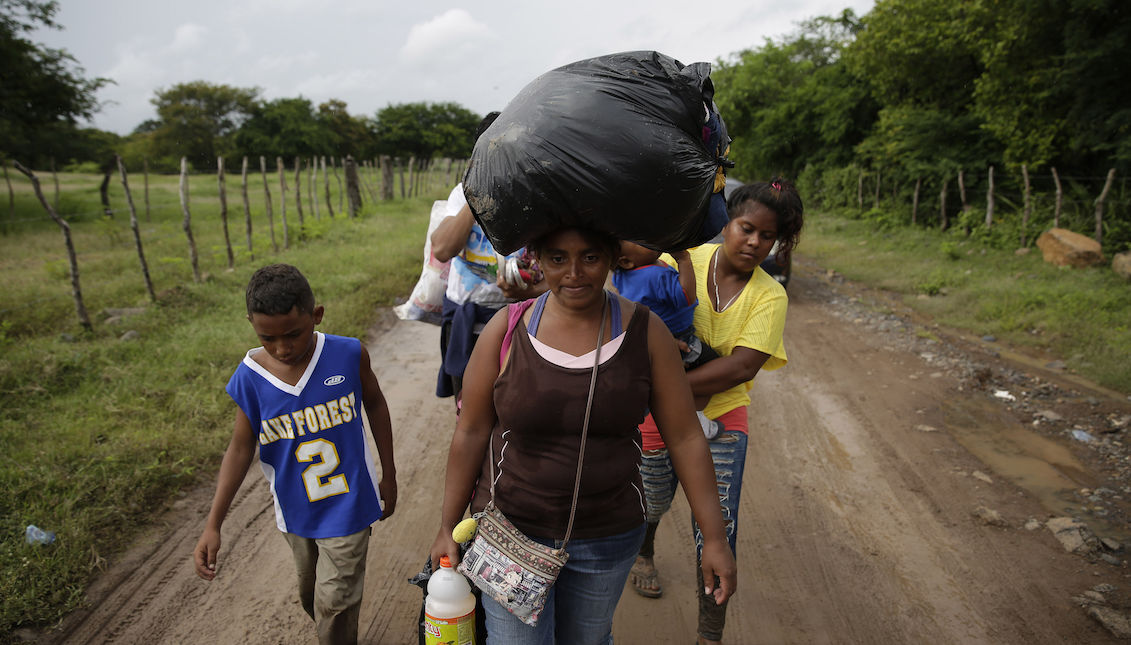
[(373, 53)]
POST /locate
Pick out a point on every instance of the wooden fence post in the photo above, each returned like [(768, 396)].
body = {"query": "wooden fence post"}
[(411, 177), (267, 194), (283, 201), (876, 196), (298, 189), (224, 210), (338, 179), (145, 169), (962, 190), (944, 222), (400, 166), (1100, 206), (915, 200), (11, 193), (1028, 208), (1059, 199), (860, 190), (137, 234), (246, 208), (188, 220), (990, 200), (104, 192), (55, 177), (353, 189), (313, 189), (326, 182), (76, 290), (386, 178)]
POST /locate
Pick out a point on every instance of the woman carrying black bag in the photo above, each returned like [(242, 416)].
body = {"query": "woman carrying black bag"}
[(529, 404)]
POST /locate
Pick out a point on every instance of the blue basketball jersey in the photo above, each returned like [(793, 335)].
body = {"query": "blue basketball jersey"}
[(312, 444)]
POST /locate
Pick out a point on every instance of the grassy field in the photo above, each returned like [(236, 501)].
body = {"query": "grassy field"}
[(102, 432), (1080, 316)]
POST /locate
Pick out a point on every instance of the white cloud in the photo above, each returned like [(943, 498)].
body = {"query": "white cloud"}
[(187, 37), (449, 38)]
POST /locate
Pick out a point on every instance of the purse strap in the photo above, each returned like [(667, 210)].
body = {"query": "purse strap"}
[(584, 429)]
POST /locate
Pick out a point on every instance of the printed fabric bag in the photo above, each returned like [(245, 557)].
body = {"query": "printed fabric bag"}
[(505, 564)]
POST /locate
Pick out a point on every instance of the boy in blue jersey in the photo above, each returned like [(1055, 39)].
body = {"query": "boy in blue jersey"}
[(299, 399), (640, 276)]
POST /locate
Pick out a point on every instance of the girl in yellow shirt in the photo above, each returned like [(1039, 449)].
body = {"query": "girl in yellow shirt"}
[(741, 313)]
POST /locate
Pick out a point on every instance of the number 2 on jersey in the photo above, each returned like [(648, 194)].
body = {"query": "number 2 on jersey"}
[(318, 478)]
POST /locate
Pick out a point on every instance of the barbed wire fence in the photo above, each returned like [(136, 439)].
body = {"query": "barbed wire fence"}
[(1096, 206), (375, 177)]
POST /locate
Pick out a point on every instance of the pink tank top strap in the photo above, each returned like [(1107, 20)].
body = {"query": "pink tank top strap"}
[(515, 311)]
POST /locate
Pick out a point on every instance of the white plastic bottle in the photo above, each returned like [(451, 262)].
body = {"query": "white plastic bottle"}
[(449, 608)]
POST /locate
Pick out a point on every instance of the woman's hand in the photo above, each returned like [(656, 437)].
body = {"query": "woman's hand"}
[(719, 561), (444, 545)]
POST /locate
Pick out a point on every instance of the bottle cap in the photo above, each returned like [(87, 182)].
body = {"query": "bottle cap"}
[(445, 562)]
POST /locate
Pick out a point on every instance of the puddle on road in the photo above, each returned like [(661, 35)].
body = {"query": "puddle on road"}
[(1043, 467)]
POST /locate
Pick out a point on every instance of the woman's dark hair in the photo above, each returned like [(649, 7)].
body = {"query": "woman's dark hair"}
[(486, 123), (780, 196), (276, 289), (607, 244)]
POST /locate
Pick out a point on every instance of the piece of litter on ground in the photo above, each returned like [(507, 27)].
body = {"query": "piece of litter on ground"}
[(926, 428), (1003, 394), (1080, 435), (982, 476)]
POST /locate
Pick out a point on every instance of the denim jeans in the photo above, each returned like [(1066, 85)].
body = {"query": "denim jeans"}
[(728, 451), (579, 608)]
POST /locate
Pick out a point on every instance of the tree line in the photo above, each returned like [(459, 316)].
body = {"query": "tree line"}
[(921, 92), (45, 94)]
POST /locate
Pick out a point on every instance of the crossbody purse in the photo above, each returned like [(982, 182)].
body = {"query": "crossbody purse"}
[(505, 564)]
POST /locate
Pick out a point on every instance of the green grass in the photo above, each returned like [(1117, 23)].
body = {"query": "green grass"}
[(1082, 316), (99, 433)]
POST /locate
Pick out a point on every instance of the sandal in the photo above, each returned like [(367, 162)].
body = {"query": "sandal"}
[(645, 578)]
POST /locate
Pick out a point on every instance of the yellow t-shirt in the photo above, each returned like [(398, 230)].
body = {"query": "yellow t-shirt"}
[(756, 319)]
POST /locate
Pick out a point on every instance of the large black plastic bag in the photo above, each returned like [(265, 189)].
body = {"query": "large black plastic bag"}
[(614, 143)]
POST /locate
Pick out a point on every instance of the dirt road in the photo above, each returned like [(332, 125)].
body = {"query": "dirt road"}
[(857, 524)]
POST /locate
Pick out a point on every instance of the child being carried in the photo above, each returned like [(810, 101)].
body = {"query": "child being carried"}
[(640, 276)]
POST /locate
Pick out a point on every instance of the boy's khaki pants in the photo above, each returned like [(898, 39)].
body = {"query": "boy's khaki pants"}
[(331, 577)]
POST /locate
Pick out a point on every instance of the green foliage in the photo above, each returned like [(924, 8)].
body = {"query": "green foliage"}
[(44, 91), (285, 127), (425, 130), (349, 135), (916, 53), (106, 432), (1079, 315), (792, 104), (199, 120)]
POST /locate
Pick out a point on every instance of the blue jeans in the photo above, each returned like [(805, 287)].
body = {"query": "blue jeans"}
[(728, 451), (579, 608)]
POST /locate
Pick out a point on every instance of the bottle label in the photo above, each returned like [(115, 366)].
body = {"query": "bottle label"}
[(450, 631)]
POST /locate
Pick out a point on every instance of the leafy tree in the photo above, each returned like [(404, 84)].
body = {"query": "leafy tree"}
[(199, 120), (42, 90), (284, 127), (792, 104), (916, 52), (349, 135), (1055, 85), (424, 130)]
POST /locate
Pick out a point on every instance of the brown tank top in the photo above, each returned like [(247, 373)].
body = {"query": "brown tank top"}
[(541, 408)]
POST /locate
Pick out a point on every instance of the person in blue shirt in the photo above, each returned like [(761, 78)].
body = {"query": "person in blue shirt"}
[(642, 277), (299, 401)]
